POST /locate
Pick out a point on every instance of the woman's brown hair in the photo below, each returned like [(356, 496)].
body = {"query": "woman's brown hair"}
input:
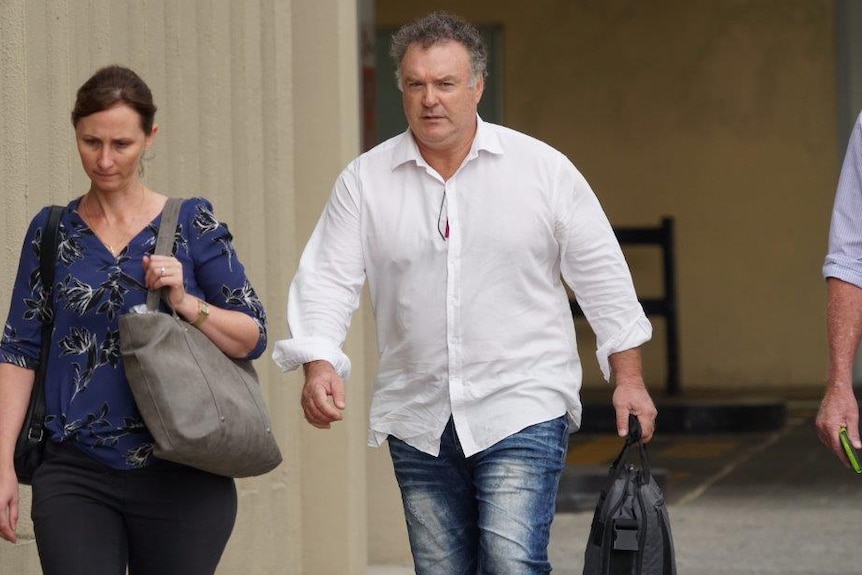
[(113, 85)]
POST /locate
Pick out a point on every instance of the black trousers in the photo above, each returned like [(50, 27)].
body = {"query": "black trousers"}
[(164, 519)]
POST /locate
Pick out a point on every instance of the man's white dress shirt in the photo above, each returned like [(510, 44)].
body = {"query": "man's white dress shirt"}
[(476, 325)]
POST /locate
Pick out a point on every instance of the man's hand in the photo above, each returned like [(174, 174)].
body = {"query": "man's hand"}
[(322, 395), (633, 397), (838, 408)]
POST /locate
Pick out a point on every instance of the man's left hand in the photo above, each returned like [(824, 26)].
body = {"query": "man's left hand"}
[(632, 397)]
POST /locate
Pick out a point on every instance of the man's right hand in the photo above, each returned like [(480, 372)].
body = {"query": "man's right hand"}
[(322, 395), (838, 409)]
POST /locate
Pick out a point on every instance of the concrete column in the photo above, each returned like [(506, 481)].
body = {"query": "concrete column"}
[(327, 136)]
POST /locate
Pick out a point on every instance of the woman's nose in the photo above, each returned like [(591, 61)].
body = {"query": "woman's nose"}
[(105, 158)]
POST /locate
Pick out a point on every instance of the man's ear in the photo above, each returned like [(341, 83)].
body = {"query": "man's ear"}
[(480, 88)]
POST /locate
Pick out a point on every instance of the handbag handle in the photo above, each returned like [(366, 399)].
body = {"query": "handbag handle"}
[(635, 438), (165, 245), (48, 249), (635, 431)]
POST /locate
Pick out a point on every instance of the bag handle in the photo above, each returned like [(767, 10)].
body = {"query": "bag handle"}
[(635, 431), (165, 244), (48, 249), (634, 438)]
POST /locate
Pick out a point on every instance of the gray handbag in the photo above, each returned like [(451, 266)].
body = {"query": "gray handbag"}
[(204, 409)]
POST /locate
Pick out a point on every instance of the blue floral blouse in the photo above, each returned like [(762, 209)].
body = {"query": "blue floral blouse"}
[(87, 395)]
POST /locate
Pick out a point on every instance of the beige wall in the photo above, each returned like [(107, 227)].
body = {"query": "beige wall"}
[(258, 108), (327, 136), (720, 113)]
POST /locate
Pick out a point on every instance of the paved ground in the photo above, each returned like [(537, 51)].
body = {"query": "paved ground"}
[(754, 504), (740, 503)]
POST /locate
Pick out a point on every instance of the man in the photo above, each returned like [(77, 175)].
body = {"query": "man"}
[(462, 230), (843, 272)]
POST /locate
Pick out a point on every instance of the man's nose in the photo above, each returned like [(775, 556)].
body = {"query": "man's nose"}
[(429, 96)]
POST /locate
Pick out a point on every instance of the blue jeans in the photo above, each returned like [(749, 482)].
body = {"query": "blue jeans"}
[(487, 514)]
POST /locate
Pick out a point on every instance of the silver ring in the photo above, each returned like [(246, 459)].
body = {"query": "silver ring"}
[(162, 272)]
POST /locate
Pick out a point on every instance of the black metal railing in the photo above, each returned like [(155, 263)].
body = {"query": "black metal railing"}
[(662, 237)]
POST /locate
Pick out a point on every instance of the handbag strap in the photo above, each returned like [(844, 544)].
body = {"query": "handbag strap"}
[(48, 251), (634, 438), (47, 264), (165, 243)]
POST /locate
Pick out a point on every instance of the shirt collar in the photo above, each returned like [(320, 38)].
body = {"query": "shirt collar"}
[(406, 149)]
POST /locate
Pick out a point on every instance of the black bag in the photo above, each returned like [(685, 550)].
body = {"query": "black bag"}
[(630, 533), (31, 440)]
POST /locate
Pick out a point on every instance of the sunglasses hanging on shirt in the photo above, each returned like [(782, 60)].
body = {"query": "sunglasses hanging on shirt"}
[(443, 218)]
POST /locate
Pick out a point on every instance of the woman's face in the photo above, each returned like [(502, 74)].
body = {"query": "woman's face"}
[(111, 144)]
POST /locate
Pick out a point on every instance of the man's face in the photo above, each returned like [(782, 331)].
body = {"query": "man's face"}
[(440, 95)]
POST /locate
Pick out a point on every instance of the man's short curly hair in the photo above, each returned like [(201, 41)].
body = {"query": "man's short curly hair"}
[(439, 27)]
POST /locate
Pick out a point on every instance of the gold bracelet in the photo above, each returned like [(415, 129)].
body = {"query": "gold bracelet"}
[(203, 313)]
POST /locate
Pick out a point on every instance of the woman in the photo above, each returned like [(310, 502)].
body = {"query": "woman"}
[(101, 500)]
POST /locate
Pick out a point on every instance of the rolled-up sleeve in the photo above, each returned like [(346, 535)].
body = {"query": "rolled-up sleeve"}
[(844, 258), (217, 269), (326, 289), (29, 307), (593, 265)]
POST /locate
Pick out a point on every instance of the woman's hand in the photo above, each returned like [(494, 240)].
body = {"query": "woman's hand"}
[(8, 505), (233, 332), (166, 272), (16, 384)]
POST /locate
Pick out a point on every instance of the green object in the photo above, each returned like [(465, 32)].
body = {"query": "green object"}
[(849, 450)]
